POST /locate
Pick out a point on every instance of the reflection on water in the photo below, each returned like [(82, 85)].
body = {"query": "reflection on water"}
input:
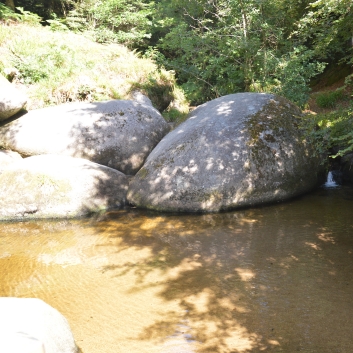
[(273, 279)]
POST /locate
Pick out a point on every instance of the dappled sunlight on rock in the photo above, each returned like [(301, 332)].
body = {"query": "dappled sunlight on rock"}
[(235, 151), (118, 133), (56, 186)]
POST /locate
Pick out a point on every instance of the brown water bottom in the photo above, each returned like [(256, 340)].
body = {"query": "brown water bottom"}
[(271, 279)]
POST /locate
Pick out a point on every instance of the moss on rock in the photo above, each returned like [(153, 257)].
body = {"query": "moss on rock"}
[(235, 151)]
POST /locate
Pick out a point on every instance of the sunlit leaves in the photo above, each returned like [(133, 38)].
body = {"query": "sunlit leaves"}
[(327, 27), (227, 46)]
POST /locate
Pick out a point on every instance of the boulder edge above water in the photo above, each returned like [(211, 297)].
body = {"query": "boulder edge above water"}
[(7, 158), (239, 150), (53, 186)]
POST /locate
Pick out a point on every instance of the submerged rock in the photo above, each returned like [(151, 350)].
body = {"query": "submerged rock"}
[(52, 186), (29, 325), (239, 150), (119, 134), (11, 99)]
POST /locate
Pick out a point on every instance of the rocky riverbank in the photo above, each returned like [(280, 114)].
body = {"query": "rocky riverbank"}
[(239, 150)]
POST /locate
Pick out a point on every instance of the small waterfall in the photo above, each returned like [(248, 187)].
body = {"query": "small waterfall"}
[(330, 183)]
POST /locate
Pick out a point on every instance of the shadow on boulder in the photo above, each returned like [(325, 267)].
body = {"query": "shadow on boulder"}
[(53, 186), (119, 134), (239, 150)]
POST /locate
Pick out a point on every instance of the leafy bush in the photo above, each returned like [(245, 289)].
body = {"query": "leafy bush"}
[(331, 131), (59, 66), (293, 73), (342, 132), (28, 17), (222, 47), (330, 99), (158, 87), (57, 24), (36, 62), (161, 88), (46, 9), (22, 15), (119, 21), (178, 108), (6, 13)]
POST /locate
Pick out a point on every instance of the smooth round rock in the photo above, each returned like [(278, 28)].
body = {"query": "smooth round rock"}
[(7, 158), (239, 150), (119, 134), (19, 342), (12, 100), (54, 186), (29, 325)]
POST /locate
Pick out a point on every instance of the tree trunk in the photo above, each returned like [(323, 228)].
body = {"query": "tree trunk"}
[(10, 4), (247, 60), (49, 7)]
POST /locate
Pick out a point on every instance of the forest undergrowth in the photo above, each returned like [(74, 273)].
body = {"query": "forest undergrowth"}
[(184, 53)]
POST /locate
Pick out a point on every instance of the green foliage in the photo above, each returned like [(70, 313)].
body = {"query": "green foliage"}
[(158, 87), (59, 66), (75, 21), (28, 17), (331, 98), (331, 131), (293, 74), (328, 27), (7, 14), (341, 131), (120, 21), (57, 24), (223, 47), (42, 63), (21, 15), (168, 98), (217, 47), (46, 9)]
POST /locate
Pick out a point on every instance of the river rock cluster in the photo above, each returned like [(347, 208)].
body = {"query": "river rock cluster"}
[(239, 150)]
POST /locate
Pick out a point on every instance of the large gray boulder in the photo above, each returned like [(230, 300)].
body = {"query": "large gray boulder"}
[(238, 150), (12, 100), (53, 186), (29, 325), (7, 158), (119, 134)]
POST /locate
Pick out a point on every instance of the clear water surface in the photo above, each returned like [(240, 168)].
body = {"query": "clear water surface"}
[(271, 279)]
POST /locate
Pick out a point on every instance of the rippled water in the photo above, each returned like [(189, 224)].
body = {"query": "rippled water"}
[(272, 279)]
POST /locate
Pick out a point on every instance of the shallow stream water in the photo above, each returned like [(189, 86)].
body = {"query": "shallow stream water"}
[(271, 279)]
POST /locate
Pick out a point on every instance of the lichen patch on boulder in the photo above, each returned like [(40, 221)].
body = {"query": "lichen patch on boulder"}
[(239, 150), (53, 186), (119, 134)]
